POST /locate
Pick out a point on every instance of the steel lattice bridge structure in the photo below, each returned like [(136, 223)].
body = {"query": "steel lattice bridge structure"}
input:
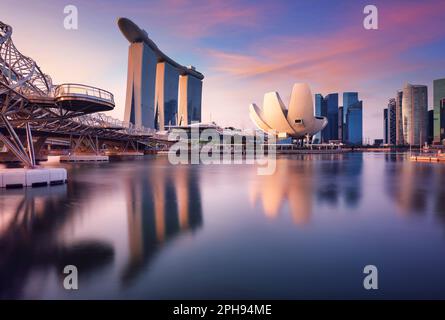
[(31, 105)]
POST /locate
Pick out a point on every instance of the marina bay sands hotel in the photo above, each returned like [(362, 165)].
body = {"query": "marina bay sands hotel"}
[(160, 91)]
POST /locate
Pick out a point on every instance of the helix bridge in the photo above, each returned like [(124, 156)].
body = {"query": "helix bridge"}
[(31, 105)]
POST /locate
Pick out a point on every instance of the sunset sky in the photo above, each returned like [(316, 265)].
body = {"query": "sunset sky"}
[(244, 48)]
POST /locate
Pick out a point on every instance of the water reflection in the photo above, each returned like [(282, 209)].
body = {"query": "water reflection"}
[(161, 205), (291, 184), (299, 178), (416, 188), (30, 222), (130, 226), (339, 176)]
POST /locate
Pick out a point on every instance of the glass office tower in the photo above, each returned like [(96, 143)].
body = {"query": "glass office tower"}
[(439, 114), (399, 126), (332, 109), (354, 118), (385, 126), (415, 114), (392, 121), (321, 111), (349, 98), (340, 124)]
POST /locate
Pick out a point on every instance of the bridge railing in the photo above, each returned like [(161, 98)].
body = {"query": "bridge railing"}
[(101, 120), (81, 90)]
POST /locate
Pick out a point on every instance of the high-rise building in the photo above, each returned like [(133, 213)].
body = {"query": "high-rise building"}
[(439, 112), (430, 126), (354, 119), (332, 108), (415, 114), (349, 98), (340, 123), (166, 98), (190, 96), (139, 106), (399, 126), (154, 82), (392, 121), (321, 110), (385, 126)]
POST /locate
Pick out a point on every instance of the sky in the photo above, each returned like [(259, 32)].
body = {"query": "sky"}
[(244, 48)]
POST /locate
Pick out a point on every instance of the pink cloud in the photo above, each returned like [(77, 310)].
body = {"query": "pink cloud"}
[(343, 56), (194, 19)]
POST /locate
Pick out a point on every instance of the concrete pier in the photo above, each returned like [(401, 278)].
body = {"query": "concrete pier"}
[(19, 178), (428, 158), (81, 158)]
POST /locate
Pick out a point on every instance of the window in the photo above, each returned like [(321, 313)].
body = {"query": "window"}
[(299, 121)]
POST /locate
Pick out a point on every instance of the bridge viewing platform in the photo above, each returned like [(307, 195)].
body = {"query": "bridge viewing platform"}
[(76, 97)]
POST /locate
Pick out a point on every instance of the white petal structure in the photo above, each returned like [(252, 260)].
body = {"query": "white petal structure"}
[(296, 121)]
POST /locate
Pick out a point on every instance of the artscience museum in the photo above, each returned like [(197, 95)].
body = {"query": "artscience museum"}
[(296, 121)]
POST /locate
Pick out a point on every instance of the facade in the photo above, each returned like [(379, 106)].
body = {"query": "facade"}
[(332, 108), (321, 110), (439, 113), (154, 98), (139, 105), (415, 114), (340, 124), (166, 99), (430, 126), (190, 89), (349, 98), (385, 126), (354, 120), (298, 121), (392, 121), (399, 126)]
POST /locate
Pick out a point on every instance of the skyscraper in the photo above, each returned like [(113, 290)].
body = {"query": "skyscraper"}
[(340, 123), (154, 82), (139, 106), (385, 126), (354, 119), (190, 93), (415, 114), (392, 121), (430, 126), (321, 110), (332, 108), (166, 98), (439, 114), (349, 98), (399, 126)]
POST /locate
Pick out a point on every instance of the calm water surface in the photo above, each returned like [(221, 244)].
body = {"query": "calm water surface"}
[(148, 230)]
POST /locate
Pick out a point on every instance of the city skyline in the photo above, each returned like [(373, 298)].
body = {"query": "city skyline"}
[(230, 43)]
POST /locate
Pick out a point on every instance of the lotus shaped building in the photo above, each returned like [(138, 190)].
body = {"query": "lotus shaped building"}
[(298, 121)]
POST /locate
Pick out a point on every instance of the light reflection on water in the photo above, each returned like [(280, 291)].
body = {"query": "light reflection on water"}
[(147, 229)]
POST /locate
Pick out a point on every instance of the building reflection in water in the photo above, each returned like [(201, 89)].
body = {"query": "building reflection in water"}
[(30, 221), (162, 204), (416, 188), (299, 177), (291, 184), (340, 176)]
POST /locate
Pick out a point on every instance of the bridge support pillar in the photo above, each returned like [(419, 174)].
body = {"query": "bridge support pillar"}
[(15, 145)]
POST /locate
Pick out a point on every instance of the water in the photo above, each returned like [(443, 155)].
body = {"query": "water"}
[(148, 230)]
